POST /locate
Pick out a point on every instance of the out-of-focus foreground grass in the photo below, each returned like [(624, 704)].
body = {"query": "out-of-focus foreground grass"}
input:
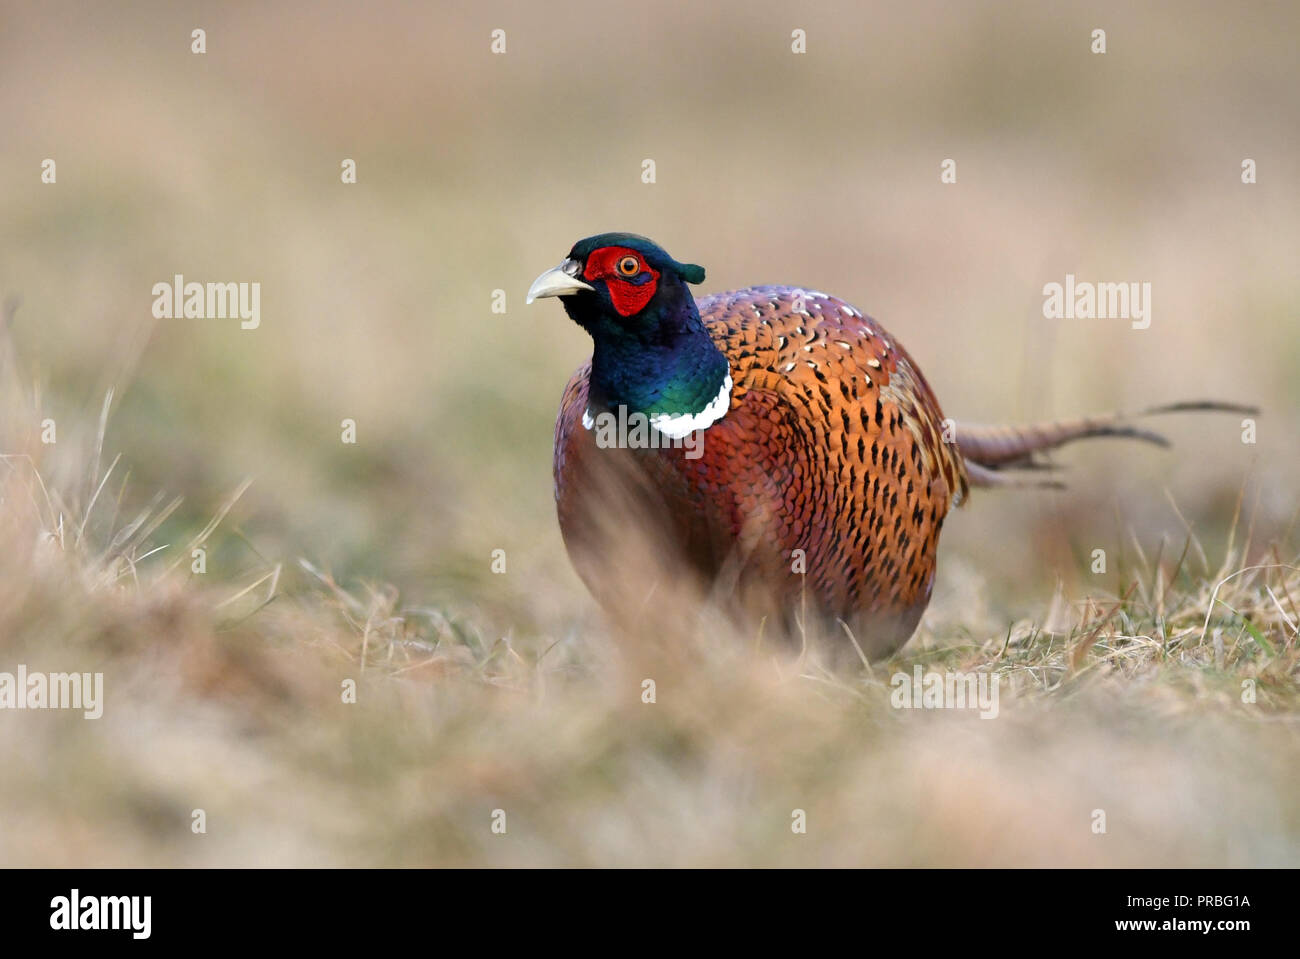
[(480, 691)]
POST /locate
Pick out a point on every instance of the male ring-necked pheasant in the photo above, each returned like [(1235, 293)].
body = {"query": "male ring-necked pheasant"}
[(821, 467)]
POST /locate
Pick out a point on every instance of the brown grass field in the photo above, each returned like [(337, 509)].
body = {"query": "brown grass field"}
[(1162, 692)]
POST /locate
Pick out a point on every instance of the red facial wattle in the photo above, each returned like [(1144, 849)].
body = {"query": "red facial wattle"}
[(629, 294)]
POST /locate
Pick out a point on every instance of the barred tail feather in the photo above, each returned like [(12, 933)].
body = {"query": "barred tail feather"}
[(991, 450)]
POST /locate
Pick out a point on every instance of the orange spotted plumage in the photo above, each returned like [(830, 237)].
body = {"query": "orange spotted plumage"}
[(823, 468)]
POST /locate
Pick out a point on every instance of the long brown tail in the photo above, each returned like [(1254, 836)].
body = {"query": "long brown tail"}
[(990, 451)]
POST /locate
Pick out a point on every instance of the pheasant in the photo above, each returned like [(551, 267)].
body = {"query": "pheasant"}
[(772, 445)]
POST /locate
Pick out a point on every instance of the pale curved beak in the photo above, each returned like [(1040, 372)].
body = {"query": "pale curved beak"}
[(561, 281)]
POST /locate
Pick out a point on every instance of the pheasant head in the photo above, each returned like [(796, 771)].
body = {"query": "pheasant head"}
[(651, 351)]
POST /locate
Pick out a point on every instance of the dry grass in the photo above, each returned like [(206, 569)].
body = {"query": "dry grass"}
[(226, 696)]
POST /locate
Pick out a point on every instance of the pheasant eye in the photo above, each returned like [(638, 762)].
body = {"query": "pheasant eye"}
[(629, 266)]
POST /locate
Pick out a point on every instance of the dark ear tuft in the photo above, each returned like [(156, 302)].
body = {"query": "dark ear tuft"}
[(691, 273)]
